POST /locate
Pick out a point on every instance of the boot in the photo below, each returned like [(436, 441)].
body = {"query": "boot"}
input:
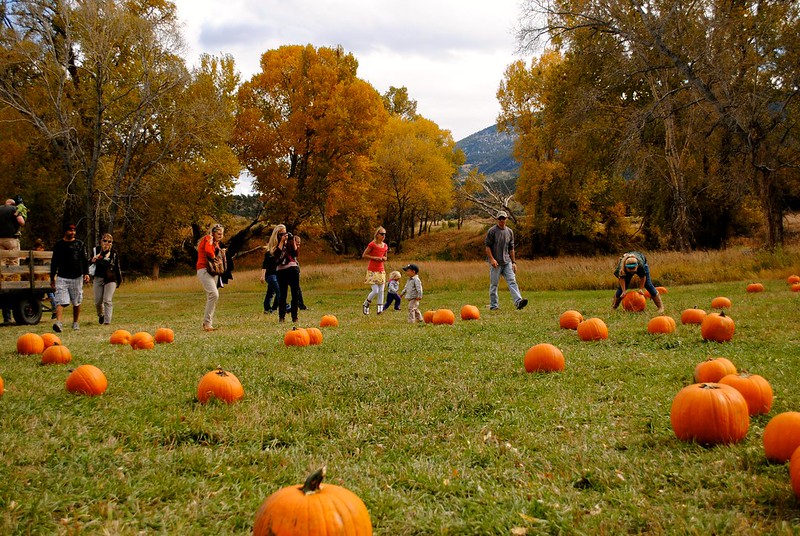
[(380, 308), (659, 304), (365, 307), (616, 301)]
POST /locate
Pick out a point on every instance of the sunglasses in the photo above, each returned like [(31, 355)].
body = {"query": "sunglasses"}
[(381, 233), (107, 241)]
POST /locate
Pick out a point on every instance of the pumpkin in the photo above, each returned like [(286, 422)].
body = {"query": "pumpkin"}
[(782, 436), (661, 324), (713, 370), (164, 335), (56, 354), (795, 287), (755, 390), (709, 413), (570, 319), (427, 316), (29, 344), (87, 380), (219, 384), (721, 302), (692, 316), (544, 358), (593, 329), (794, 462), (793, 279), (142, 341), (121, 336), (444, 316), (717, 327), (50, 339), (313, 509), (470, 312), (2, 386), (314, 335), (662, 290), (634, 302), (755, 287), (329, 321), (296, 337)]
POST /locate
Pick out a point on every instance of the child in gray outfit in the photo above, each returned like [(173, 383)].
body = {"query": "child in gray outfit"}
[(413, 293)]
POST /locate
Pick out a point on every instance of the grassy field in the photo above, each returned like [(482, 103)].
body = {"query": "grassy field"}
[(438, 429)]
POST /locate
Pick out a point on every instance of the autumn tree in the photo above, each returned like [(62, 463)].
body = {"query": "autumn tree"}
[(304, 130)]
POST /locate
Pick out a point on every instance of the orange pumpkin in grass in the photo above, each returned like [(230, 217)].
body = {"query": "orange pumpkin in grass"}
[(30, 344), (313, 509), (444, 316), (755, 390), (634, 302), (717, 327), (755, 287), (50, 339), (2, 386), (314, 336), (793, 279), (56, 354), (721, 302), (795, 287), (329, 321), (570, 319), (296, 337), (121, 336), (713, 370), (427, 316), (219, 384), (164, 335), (142, 341), (87, 380), (692, 316), (544, 358), (709, 413), (592, 329), (661, 324), (470, 312), (794, 464), (782, 436)]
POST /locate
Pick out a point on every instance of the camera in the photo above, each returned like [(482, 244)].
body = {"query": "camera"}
[(289, 236)]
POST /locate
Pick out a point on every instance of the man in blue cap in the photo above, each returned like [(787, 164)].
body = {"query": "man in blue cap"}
[(630, 264)]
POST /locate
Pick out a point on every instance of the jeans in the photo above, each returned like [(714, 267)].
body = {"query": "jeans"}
[(507, 271), (289, 278), (273, 296), (648, 283), (393, 298), (103, 294)]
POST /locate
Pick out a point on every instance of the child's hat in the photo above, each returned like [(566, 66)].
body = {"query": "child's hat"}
[(412, 267)]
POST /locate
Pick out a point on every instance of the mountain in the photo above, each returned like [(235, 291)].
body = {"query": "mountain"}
[(490, 151)]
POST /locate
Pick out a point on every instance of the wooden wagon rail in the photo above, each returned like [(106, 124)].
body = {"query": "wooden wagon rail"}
[(33, 272)]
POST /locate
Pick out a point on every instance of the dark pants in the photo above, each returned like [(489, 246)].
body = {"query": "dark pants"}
[(289, 278), (273, 296), (391, 297)]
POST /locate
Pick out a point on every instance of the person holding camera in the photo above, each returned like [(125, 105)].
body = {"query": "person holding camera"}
[(107, 277), (284, 248)]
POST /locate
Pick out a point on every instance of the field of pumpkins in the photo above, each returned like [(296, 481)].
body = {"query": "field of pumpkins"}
[(557, 405)]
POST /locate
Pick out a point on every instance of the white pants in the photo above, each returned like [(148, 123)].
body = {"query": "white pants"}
[(103, 294)]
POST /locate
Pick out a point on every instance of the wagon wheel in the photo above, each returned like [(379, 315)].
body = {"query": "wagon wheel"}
[(28, 310)]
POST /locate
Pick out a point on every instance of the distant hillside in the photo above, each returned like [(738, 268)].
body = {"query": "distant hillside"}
[(489, 151)]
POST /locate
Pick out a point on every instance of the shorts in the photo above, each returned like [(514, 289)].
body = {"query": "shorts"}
[(69, 291)]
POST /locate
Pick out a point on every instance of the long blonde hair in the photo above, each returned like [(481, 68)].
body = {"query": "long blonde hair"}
[(273, 239)]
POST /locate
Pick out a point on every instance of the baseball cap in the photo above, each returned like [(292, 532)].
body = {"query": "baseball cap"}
[(71, 227), (411, 267), (501, 215)]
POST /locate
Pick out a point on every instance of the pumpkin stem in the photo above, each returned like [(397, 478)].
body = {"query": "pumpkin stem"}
[(220, 372), (722, 314), (709, 386), (314, 481)]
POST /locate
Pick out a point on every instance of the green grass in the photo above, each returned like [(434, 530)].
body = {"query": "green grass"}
[(437, 428)]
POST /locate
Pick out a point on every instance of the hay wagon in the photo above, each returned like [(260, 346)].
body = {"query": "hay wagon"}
[(24, 286)]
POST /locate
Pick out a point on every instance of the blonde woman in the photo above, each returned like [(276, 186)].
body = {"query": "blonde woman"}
[(376, 252), (107, 277), (208, 248), (284, 247)]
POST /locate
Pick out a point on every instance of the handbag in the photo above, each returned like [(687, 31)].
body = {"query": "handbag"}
[(93, 266), (219, 264)]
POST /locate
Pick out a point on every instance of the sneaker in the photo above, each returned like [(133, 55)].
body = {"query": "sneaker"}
[(522, 303), (76, 326), (57, 326), (365, 308), (101, 319)]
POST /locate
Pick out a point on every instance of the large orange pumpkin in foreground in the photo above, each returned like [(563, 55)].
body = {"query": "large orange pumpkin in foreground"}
[(717, 327), (692, 316), (30, 344), (709, 413), (755, 287), (56, 354), (164, 335), (444, 316), (755, 390), (794, 465), (313, 509), (470, 312), (544, 358), (782, 436), (570, 319), (121, 336), (713, 370), (593, 329), (142, 341), (296, 337), (634, 302), (661, 324), (87, 380), (721, 302), (329, 321), (219, 384), (50, 339)]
